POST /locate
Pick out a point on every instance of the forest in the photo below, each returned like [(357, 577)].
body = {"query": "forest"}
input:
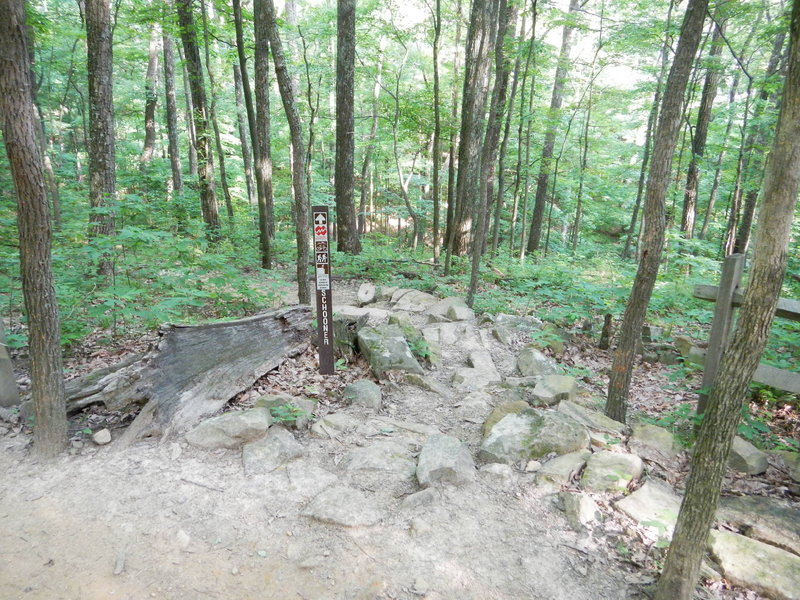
[(571, 160)]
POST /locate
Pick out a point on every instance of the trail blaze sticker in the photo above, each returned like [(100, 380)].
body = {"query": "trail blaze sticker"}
[(322, 270)]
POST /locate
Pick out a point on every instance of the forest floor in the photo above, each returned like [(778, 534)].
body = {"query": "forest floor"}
[(167, 520)]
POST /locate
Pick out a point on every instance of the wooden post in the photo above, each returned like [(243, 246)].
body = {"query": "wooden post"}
[(322, 261), (721, 325)]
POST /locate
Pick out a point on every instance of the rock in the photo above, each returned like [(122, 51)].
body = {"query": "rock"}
[(532, 434), (525, 324), (386, 349), (552, 389), (9, 392), (231, 430), (343, 506), (385, 457), (746, 458), (751, 564), (554, 338), (424, 497), (500, 472), (562, 470), (502, 335), (480, 374), (507, 408), (611, 471), (330, 426), (580, 509), (533, 363), (370, 316), (418, 428), (474, 407), (460, 313), (426, 383), (791, 461), (444, 459), (420, 527), (594, 420), (521, 382), (654, 443), (683, 344), (445, 334), (307, 479), (290, 411), (414, 301), (651, 333), (769, 520), (366, 294), (276, 449), (442, 307), (654, 506), (533, 466), (101, 437), (385, 292), (364, 393)]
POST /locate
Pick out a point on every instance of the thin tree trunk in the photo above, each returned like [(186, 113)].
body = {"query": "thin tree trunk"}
[(739, 362), (102, 162), (373, 131), (449, 236), (172, 114), (33, 221), (654, 233), (437, 129), (241, 118), (562, 72), (205, 159), (301, 207), (187, 94), (151, 96), (261, 141)]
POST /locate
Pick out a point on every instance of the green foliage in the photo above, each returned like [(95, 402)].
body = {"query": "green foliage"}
[(682, 420), (287, 413)]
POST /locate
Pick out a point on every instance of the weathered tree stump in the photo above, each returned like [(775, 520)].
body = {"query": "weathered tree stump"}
[(192, 371)]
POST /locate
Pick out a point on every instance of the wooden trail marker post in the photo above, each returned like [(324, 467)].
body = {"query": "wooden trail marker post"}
[(322, 263)]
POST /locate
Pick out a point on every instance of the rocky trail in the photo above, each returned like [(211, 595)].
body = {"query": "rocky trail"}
[(451, 461)]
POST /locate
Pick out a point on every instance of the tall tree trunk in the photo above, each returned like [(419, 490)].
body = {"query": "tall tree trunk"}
[(740, 360), (102, 162), (507, 18), (19, 123), (654, 233), (241, 118), (449, 236), (347, 226), (172, 113), (562, 72), (689, 212), (301, 207), (190, 130), (205, 160), (262, 148), (151, 96), (437, 130), (373, 131)]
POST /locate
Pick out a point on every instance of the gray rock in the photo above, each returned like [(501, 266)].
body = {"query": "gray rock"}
[(445, 334), (480, 374), (385, 292), (366, 294), (751, 564), (562, 470), (552, 389), (424, 497), (611, 471), (9, 392), (363, 393), (230, 430), (102, 437), (369, 316), (384, 457), (386, 349), (654, 443), (502, 335), (426, 383), (654, 506), (330, 426), (746, 458), (525, 324), (766, 519), (441, 307), (307, 479), (521, 382), (444, 459), (274, 450), (791, 461), (343, 506), (594, 420), (651, 333), (533, 363), (581, 511), (500, 472), (532, 434), (415, 301), (460, 313), (507, 408)]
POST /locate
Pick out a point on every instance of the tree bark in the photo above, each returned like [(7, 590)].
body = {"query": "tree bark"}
[(437, 131), (373, 131), (33, 221), (205, 159), (241, 118), (172, 114), (261, 142), (190, 130), (653, 235), (151, 96), (301, 207), (347, 226), (102, 161), (739, 362), (562, 72)]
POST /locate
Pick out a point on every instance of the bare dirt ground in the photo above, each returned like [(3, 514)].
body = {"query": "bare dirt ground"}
[(169, 521)]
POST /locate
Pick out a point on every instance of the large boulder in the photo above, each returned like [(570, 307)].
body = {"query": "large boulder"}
[(594, 420), (480, 374), (766, 519), (386, 349), (533, 434), (654, 443), (274, 450), (415, 301), (533, 363), (746, 458), (563, 469), (230, 430), (552, 389), (751, 564), (654, 506), (364, 393), (506, 408), (453, 308), (608, 471), (444, 459)]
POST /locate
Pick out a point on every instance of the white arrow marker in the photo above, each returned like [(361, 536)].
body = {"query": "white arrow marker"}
[(320, 220)]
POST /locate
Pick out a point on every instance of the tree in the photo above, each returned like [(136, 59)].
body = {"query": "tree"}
[(739, 362), (652, 239), (205, 160), (19, 121), (151, 96), (172, 113), (347, 226), (301, 208), (102, 157)]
